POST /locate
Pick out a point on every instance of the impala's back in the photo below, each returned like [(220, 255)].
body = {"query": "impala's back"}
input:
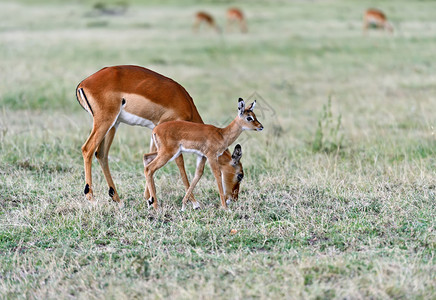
[(141, 96)]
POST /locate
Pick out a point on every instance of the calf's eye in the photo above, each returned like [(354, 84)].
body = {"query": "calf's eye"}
[(249, 119)]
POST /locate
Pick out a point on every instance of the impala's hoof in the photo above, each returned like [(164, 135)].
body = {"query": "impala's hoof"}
[(227, 209), (93, 203), (91, 200), (196, 205), (88, 194)]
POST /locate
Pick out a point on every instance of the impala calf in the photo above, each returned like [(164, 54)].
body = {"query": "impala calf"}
[(208, 142), (376, 18), (135, 96), (235, 15)]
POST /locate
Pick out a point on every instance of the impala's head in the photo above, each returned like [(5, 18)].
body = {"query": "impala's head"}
[(247, 119), (232, 173), (389, 27)]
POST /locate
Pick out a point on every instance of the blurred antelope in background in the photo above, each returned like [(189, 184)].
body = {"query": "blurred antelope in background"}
[(205, 18), (377, 19), (135, 96), (235, 16), (208, 142)]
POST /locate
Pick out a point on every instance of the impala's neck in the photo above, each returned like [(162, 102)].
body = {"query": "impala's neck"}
[(231, 132)]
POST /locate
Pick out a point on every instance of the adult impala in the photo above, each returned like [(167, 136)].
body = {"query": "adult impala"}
[(202, 17), (235, 15), (208, 142), (135, 96), (376, 18)]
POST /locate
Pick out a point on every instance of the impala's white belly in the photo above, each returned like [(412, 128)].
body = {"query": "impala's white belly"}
[(131, 119), (199, 153), (183, 149)]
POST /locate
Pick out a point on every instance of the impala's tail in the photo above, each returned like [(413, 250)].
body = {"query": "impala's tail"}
[(83, 100)]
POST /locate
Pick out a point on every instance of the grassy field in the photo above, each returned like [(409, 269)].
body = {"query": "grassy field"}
[(338, 198)]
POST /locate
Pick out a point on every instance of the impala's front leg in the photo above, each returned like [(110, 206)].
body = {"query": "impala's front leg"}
[(201, 161), (213, 162), (181, 165)]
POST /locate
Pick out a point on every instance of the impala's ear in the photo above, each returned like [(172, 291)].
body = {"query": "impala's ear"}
[(252, 105), (237, 154), (148, 157), (241, 107)]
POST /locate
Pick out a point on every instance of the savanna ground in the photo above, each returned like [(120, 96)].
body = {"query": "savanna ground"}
[(338, 199)]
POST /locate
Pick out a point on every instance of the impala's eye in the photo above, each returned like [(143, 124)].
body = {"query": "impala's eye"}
[(240, 176), (250, 119)]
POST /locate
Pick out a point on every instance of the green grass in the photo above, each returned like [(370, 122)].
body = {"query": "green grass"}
[(348, 213)]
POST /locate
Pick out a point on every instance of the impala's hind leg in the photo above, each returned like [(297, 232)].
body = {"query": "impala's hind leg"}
[(147, 159), (102, 156), (158, 162), (98, 133)]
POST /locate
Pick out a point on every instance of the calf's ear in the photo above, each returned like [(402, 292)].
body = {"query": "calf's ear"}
[(252, 105), (237, 154), (241, 107)]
